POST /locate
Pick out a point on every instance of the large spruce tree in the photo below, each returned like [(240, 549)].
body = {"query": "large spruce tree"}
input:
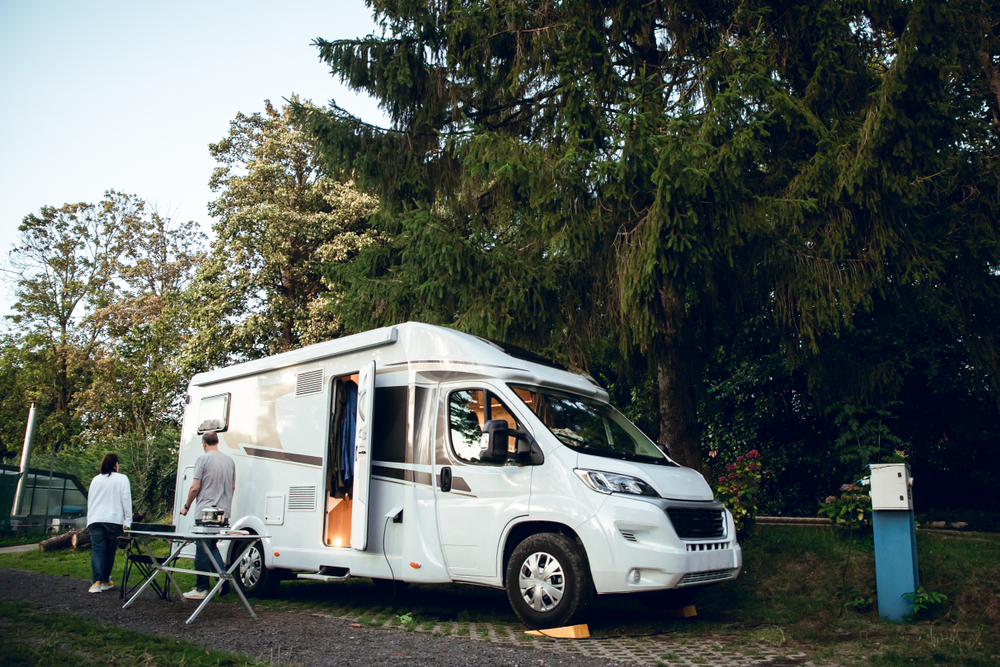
[(556, 168)]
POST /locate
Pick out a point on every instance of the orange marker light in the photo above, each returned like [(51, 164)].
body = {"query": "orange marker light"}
[(276, 554), (415, 566)]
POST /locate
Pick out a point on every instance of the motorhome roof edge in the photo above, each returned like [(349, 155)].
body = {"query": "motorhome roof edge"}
[(332, 348)]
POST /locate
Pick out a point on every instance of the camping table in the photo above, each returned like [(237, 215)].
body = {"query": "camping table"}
[(181, 540)]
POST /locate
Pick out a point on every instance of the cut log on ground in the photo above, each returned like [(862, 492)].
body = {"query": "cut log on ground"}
[(81, 538), (63, 541)]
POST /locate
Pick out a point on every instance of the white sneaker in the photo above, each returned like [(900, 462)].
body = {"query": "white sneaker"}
[(95, 588), (195, 594), (107, 585)]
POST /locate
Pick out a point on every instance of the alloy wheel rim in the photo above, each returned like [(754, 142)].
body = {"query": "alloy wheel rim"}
[(250, 566), (541, 581)]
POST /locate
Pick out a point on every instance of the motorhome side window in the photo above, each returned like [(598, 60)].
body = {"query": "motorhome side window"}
[(468, 411), (213, 413)]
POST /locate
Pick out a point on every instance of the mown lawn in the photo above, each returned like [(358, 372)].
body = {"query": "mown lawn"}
[(38, 639), (802, 589)]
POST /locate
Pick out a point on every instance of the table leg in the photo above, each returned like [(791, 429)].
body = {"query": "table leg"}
[(166, 563), (149, 581), (236, 586), (223, 577)]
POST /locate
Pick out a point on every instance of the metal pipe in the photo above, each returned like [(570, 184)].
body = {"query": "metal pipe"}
[(29, 436)]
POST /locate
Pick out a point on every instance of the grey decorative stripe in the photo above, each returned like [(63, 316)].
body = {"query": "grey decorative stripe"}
[(457, 483), (280, 455), (393, 473), (415, 476)]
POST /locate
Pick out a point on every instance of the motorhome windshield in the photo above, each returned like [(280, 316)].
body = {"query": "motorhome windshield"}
[(590, 427)]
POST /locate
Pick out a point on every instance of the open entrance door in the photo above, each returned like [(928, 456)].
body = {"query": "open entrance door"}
[(362, 458)]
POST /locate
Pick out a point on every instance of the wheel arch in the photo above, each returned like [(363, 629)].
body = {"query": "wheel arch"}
[(254, 526), (522, 531)]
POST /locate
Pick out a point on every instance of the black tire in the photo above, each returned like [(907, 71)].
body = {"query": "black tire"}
[(674, 598), (252, 576), (561, 596)]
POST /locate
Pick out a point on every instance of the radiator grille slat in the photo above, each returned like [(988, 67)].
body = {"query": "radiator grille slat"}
[(692, 523), (705, 577), (708, 546)]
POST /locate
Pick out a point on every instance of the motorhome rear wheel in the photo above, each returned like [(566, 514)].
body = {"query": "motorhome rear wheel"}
[(255, 579)]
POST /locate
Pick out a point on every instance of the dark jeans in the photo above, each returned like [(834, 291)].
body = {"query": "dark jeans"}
[(103, 545), (202, 564)]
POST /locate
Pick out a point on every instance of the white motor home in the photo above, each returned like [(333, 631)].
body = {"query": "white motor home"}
[(420, 454)]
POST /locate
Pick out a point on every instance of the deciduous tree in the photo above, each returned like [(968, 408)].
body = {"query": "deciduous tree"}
[(280, 214), (65, 263)]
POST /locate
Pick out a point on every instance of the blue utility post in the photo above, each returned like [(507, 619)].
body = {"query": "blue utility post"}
[(895, 538)]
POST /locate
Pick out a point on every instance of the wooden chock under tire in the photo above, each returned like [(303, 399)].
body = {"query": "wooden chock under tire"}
[(566, 632), (684, 612)]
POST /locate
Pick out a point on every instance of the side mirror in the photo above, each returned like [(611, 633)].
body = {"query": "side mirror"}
[(495, 436), (528, 451)]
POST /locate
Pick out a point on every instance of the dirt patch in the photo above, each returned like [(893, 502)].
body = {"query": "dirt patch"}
[(291, 638)]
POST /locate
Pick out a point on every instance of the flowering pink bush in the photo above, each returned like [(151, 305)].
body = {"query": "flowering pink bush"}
[(738, 487), (852, 509)]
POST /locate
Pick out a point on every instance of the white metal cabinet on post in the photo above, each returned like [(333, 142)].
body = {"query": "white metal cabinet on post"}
[(896, 572)]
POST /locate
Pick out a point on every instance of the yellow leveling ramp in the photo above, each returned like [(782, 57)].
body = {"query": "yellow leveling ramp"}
[(567, 632), (684, 612)]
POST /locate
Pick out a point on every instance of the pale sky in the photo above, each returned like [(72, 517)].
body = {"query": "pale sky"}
[(127, 95)]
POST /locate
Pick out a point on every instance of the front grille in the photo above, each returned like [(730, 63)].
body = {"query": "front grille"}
[(708, 546), (705, 577), (692, 523)]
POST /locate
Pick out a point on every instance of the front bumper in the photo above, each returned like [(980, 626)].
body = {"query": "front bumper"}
[(633, 547)]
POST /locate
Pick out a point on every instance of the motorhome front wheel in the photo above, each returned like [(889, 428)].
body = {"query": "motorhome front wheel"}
[(253, 577), (548, 581)]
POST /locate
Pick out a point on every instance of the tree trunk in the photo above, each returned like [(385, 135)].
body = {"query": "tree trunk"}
[(677, 376), (993, 81), (63, 541), (81, 539)]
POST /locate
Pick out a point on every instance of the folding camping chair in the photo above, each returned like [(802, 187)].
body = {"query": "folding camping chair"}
[(144, 569)]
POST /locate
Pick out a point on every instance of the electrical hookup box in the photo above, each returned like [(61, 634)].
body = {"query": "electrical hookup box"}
[(891, 486)]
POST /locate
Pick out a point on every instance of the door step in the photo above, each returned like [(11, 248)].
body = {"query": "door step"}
[(327, 574)]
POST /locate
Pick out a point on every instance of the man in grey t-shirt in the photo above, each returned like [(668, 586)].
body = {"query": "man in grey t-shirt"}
[(213, 486)]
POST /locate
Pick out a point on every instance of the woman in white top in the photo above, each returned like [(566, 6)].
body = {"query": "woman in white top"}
[(109, 511)]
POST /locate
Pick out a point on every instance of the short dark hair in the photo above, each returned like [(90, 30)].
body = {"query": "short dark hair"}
[(210, 438), (108, 464)]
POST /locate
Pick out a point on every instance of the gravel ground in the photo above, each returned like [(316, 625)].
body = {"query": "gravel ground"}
[(290, 638)]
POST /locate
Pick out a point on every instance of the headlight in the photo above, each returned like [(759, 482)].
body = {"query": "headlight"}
[(612, 482)]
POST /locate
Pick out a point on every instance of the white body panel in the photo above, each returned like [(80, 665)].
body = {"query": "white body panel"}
[(279, 427)]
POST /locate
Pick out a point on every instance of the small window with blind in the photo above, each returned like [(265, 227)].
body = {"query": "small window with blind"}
[(213, 413)]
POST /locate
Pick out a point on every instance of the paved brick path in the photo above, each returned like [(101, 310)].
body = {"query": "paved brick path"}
[(671, 650)]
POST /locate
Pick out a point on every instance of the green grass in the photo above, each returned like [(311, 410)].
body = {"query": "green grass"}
[(10, 540), (76, 564), (40, 639), (793, 596)]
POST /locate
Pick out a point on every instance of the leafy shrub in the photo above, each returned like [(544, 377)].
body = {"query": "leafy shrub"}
[(738, 487), (852, 509), (920, 601)]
